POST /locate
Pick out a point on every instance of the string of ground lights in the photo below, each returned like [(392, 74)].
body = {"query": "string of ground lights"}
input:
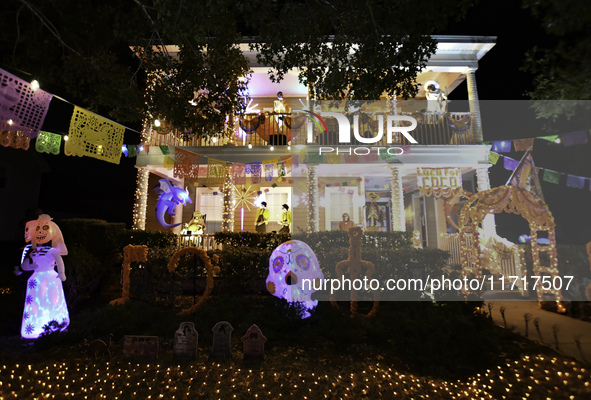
[(530, 377)]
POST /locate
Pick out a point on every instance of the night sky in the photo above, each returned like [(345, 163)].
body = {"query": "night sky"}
[(86, 187)]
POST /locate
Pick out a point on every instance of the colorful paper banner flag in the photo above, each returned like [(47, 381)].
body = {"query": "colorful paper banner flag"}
[(523, 144), (281, 169), (351, 158), (574, 138), (255, 171), (574, 181), (551, 176), (269, 172), (239, 174), (510, 164), (168, 163), (332, 158), (164, 149), (493, 157), (48, 142), (371, 157), (94, 136), (551, 138), (186, 164), (270, 161), (132, 150), (216, 171), (315, 158), (503, 146), (23, 108)]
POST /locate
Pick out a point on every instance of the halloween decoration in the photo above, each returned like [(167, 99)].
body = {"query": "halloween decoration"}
[(354, 266), (130, 254), (172, 264), (293, 267), (170, 197), (45, 308)]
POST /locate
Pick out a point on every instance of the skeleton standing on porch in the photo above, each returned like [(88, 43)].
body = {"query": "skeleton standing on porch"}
[(262, 218)]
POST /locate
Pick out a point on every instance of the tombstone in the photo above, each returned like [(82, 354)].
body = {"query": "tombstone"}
[(140, 347), (185, 341), (254, 344), (222, 336)]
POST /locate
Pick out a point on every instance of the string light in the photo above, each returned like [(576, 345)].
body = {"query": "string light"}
[(34, 85)]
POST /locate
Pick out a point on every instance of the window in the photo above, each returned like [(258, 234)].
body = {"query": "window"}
[(212, 206), (274, 203), (340, 202)]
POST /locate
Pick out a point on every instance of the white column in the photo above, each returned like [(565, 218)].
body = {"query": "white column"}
[(483, 183), (141, 198), (228, 193), (397, 216), (313, 223), (474, 105)]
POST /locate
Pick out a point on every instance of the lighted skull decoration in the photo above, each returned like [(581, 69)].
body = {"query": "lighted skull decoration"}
[(293, 268)]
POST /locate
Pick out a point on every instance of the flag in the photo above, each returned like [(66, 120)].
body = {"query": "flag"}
[(551, 176), (573, 138), (94, 136), (574, 181), (216, 171), (502, 146), (186, 164), (510, 164), (525, 176), (23, 108), (48, 142), (239, 174), (523, 144), (493, 157)]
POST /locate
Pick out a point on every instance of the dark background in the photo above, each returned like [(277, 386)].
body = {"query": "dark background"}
[(89, 188)]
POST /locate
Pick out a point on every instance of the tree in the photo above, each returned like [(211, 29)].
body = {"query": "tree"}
[(81, 51), (562, 68)]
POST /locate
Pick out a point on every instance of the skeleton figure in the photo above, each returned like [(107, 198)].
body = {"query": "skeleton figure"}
[(293, 267), (436, 98), (45, 304)]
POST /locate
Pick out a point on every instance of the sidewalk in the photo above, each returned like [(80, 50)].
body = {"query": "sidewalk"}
[(569, 329)]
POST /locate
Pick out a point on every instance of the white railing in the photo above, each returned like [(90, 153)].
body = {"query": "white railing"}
[(205, 242), (266, 129)]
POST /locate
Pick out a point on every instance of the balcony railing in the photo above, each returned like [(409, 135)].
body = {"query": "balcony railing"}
[(267, 129)]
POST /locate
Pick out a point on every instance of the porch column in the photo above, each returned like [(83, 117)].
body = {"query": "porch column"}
[(474, 105), (228, 193), (398, 221), (313, 223), (483, 183), (141, 198)]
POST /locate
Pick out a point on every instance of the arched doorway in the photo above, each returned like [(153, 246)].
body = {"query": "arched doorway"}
[(519, 201)]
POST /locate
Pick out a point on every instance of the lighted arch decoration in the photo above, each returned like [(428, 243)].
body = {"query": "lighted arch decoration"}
[(514, 200), (131, 254), (172, 265)]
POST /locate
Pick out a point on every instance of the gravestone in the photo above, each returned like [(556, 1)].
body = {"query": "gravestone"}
[(185, 341), (140, 347), (222, 336), (254, 344)]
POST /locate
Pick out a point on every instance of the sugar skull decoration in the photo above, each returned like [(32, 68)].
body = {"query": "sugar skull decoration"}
[(293, 267), (45, 304), (170, 197)]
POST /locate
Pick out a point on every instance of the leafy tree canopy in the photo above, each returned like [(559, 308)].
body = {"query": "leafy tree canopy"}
[(81, 51), (562, 67)]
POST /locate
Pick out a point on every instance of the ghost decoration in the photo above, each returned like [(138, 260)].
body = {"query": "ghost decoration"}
[(45, 308), (293, 268), (170, 197)]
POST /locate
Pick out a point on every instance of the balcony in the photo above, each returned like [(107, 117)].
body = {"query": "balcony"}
[(267, 128)]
